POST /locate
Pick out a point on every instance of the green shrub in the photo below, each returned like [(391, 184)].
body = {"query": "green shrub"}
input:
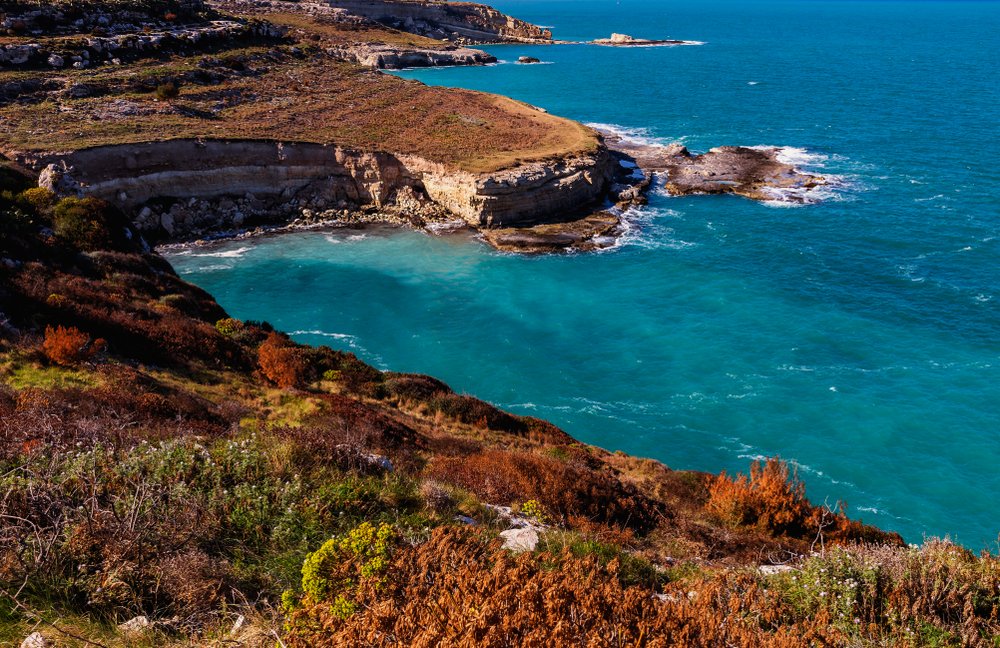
[(37, 199), (82, 222), (229, 326), (843, 584), (335, 569), (167, 91)]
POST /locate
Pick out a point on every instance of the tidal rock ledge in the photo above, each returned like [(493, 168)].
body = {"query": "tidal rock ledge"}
[(755, 173)]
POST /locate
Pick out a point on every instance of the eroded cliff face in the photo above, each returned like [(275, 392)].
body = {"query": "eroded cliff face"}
[(528, 193), (467, 20), (394, 57), (132, 175)]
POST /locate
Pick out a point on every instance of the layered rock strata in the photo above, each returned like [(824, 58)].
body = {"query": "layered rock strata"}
[(455, 21), (594, 232), (395, 57), (312, 174), (91, 50)]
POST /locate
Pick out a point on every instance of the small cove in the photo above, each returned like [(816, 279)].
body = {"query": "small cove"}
[(859, 337)]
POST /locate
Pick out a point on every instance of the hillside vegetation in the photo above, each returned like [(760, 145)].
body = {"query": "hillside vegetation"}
[(172, 476)]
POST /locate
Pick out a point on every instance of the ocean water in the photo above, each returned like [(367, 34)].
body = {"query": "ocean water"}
[(858, 338)]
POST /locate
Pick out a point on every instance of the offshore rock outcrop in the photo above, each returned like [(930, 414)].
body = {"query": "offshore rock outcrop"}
[(624, 40), (755, 173), (456, 21), (594, 232)]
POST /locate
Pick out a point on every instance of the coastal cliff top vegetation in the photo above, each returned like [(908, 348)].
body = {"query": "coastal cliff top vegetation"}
[(173, 476), (246, 78)]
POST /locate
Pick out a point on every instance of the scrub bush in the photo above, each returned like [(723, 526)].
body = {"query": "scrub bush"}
[(773, 499), (68, 346), (281, 361), (561, 489), (82, 222)]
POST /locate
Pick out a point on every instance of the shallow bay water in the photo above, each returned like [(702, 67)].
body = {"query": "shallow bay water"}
[(858, 338)]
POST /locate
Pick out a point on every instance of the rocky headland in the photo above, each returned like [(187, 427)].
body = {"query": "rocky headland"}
[(277, 135), (755, 173), (172, 476)]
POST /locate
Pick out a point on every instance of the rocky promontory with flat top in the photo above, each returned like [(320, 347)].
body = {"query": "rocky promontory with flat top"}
[(209, 119)]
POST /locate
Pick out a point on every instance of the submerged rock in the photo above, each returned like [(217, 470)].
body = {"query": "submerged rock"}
[(594, 232)]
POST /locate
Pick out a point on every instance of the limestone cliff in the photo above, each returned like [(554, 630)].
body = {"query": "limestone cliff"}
[(452, 20), (131, 175), (394, 57)]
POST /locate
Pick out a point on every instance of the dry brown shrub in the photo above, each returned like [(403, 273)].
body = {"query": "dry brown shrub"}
[(774, 499), (195, 583), (345, 431), (949, 587), (436, 496), (281, 361), (67, 346), (566, 489), (460, 589)]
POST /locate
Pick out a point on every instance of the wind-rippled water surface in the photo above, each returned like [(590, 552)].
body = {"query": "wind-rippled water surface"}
[(859, 337)]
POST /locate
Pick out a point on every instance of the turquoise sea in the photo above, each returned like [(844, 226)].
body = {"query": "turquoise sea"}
[(858, 337)]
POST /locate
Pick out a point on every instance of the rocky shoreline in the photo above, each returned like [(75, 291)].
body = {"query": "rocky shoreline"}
[(203, 187), (757, 173), (544, 207)]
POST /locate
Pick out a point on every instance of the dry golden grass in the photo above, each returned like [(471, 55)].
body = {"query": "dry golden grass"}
[(335, 33), (266, 93)]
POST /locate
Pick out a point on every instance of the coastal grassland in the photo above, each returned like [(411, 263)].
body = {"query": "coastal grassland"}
[(331, 32), (277, 92)]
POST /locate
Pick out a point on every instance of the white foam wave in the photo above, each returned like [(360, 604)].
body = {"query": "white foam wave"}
[(753, 83), (808, 161), (796, 156), (909, 271), (350, 340), (337, 336), (338, 239), (635, 135), (641, 230), (209, 268), (802, 196), (446, 227), (225, 254)]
